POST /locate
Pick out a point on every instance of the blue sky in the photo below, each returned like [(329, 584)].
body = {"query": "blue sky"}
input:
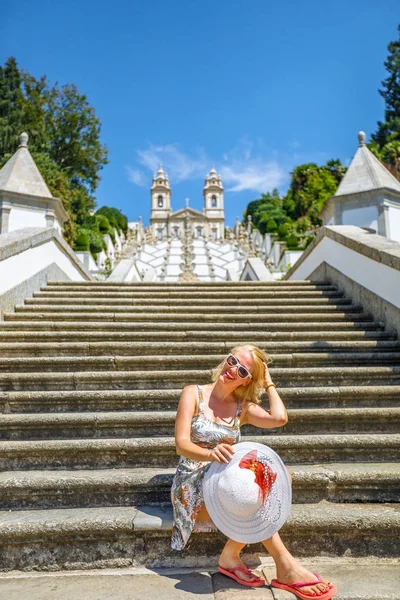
[(254, 87)]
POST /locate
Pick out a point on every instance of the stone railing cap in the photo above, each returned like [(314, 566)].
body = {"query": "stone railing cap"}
[(21, 240), (371, 245)]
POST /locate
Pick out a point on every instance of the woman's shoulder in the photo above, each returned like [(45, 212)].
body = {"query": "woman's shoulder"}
[(190, 389)]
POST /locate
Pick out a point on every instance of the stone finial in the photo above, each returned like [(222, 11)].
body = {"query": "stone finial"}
[(361, 138), (187, 202), (23, 140)]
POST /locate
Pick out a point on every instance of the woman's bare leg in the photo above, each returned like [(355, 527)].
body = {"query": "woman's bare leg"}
[(230, 555), (230, 558), (288, 569)]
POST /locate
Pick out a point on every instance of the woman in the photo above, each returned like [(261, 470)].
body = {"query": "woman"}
[(208, 422)]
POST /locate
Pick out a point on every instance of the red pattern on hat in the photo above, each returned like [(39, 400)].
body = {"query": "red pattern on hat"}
[(265, 477)]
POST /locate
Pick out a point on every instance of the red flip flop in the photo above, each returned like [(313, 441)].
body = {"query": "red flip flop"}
[(231, 573), (294, 589)]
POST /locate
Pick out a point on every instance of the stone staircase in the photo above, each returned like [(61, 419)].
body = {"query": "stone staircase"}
[(90, 378)]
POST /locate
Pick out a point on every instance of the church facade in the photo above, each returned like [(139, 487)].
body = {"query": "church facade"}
[(165, 223)]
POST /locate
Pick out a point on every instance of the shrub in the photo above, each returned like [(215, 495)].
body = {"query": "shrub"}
[(96, 241), (81, 243), (292, 242), (271, 225), (284, 230), (103, 224)]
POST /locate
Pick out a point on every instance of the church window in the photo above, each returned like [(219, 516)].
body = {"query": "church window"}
[(176, 232), (213, 201), (199, 232), (213, 180), (160, 201), (160, 234), (160, 181)]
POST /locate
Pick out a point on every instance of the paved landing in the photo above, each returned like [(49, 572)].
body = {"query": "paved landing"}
[(356, 579)]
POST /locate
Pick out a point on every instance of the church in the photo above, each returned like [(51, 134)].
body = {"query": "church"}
[(165, 223)]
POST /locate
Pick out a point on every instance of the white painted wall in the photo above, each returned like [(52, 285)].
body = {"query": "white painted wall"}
[(20, 218), (22, 266), (376, 277), (361, 217), (394, 223), (88, 261)]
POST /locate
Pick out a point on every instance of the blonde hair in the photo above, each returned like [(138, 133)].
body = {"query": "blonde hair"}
[(251, 392)]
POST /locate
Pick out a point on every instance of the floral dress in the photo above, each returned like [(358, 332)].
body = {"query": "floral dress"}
[(187, 486)]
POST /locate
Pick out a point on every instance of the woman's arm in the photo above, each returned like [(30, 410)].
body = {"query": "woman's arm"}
[(276, 416), (183, 424)]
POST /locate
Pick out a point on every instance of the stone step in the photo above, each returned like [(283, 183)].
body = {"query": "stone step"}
[(166, 399), (252, 328), (190, 323), (250, 307), (96, 342), (143, 423), (190, 285), (236, 315), (59, 401), (23, 364), (232, 338), (124, 536), (285, 377), (286, 352), (108, 453), (367, 578), (178, 293), (334, 482), (200, 300)]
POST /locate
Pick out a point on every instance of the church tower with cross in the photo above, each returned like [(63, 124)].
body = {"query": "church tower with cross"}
[(160, 200), (213, 193), (207, 224)]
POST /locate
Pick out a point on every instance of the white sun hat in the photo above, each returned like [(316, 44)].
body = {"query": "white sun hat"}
[(248, 498)]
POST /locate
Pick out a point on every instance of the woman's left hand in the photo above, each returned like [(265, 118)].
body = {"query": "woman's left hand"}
[(267, 375)]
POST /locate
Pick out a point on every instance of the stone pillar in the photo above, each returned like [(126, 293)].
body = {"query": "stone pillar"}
[(5, 209), (50, 218)]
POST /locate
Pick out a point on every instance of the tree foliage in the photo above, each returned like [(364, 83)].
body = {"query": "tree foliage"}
[(386, 141), (64, 139), (293, 215)]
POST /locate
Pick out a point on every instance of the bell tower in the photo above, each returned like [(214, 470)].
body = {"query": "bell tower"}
[(160, 203), (213, 193)]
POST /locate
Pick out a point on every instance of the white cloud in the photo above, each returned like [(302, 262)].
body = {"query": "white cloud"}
[(179, 166), (257, 175), (247, 166), (137, 177)]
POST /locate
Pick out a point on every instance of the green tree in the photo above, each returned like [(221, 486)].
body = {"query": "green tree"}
[(309, 189), (391, 157), (10, 107), (74, 133), (385, 143), (64, 133), (35, 108)]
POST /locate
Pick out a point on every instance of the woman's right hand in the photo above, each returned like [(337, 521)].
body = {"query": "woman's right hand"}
[(222, 453)]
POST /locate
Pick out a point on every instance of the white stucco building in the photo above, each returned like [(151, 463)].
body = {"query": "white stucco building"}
[(368, 196), (168, 224), (25, 199)]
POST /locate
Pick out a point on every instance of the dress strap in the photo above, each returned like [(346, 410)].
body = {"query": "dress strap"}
[(239, 410), (201, 399)]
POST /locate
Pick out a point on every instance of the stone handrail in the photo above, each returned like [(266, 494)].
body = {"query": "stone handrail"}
[(29, 258), (365, 266)]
